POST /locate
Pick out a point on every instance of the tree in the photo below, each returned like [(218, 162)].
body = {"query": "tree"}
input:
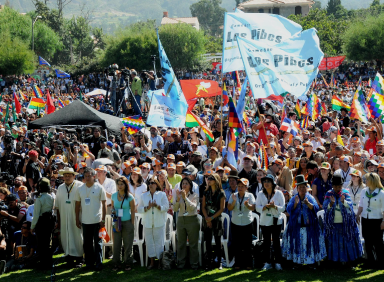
[(375, 3), (329, 29), (364, 40), (335, 8), (210, 15), (183, 44), (15, 55), (47, 42), (317, 5)]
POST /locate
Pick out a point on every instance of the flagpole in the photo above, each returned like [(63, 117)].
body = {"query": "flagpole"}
[(222, 105)]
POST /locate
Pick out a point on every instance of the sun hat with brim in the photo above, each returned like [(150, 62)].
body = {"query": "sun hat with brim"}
[(67, 170), (194, 130), (208, 172), (380, 143), (215, 149), (180, 164), (173, 166), (171, 156), (126, 165), (192, 169), (244, 181), (136, 170), (219, 168), (269, 177), (372, 129), (381, 165), (102, 168), (345, 159), (248, 157), (356, 172), (146, 165), (300, 179), (325, 165), (355, 140), (156, 162), (233, 174), (299, 147)]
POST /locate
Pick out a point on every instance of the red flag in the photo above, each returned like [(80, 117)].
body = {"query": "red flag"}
[(331, 62), (50, 106), (17, 103), (197, 88)]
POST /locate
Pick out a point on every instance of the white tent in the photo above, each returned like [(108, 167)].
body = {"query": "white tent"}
[(97, 92)]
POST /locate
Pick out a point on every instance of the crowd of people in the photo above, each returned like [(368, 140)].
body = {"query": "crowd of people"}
[(314, 199)]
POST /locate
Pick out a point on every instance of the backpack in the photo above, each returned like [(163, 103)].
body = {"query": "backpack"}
[(167, 260)]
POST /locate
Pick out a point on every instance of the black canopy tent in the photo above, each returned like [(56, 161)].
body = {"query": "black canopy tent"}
[(78, 114)]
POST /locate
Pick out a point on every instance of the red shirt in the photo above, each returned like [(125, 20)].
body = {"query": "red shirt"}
[(268, 127), (370, 145)]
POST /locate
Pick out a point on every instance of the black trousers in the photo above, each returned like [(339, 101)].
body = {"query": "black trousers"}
[(273, 232), (242, 243), (43, 237), (208, 233), (373, 236)]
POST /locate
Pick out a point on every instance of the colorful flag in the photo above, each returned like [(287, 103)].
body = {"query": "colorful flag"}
[(61, 103), (36, 104), (370, 82), (6, 118), (288, 126), (305, 123), (297, 109), (246, 120), (133, 124), (378, 84), (339, 139), (357, 108), (376, 105), (81, 96), (238, 80), (337, 104), (225, 94), (43, 62), (240, 107), (325, 82), (37, 91), (264, 157), (231, 143), (192, 121), (313, 108), (233, 119)]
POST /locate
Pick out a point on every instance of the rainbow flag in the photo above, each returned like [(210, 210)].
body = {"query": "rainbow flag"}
[(225, 94), (378, 84), (37, 91), (264, 157), (359, 109), (260, 154), (61, 103), (192, 121), (370, 82), (297, 109), (376, 105), (133, 124), (246, 119), (337, 104), (36, 104), (305, 122), (233, 119), (325, 82), (313, 108)]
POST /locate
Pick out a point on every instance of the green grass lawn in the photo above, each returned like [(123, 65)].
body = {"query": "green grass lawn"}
[(334, 274)]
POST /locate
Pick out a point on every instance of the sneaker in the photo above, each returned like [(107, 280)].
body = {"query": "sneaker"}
[(267, 266), (278, 266)]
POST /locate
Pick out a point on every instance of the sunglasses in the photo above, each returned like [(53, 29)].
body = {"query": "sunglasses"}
[(150, 183), (211, 178)]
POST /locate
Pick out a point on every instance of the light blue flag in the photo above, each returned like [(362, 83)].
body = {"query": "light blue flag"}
[(240, 107), (61, 74), (165, 111), (268, 28), (171, 84), (288, 67)]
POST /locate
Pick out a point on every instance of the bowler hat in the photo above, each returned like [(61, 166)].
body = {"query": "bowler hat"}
[(337, 179), (233, 174), (300, 179)]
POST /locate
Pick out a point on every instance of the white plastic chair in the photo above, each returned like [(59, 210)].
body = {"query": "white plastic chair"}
[(224, 242), (320, 214), (256, 217), (109, 228), (137, 241)]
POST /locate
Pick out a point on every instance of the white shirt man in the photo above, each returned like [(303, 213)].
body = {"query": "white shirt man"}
[(108, 184)]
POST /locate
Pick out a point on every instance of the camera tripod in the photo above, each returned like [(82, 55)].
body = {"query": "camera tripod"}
[(130, 95)]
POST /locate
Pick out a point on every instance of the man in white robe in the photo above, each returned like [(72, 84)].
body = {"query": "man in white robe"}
[(71, 236)]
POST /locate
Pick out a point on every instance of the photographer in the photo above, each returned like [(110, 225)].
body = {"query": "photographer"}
[(8, 163), (137, 90), (32, 170), (151, 80)]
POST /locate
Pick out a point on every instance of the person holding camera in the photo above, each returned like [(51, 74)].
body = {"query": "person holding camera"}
[(43, 222), (65, 204), (213, 205), (137, 90)]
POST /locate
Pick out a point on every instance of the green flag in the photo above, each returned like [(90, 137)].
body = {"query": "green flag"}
[(81, 96), (14, 111), (6, 114)]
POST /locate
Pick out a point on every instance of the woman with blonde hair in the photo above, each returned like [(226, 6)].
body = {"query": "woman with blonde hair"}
[(213, 204), (371, 207), (355, 188)]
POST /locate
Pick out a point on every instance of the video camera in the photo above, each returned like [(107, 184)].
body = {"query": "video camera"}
[(111, 70), (6, 178)]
